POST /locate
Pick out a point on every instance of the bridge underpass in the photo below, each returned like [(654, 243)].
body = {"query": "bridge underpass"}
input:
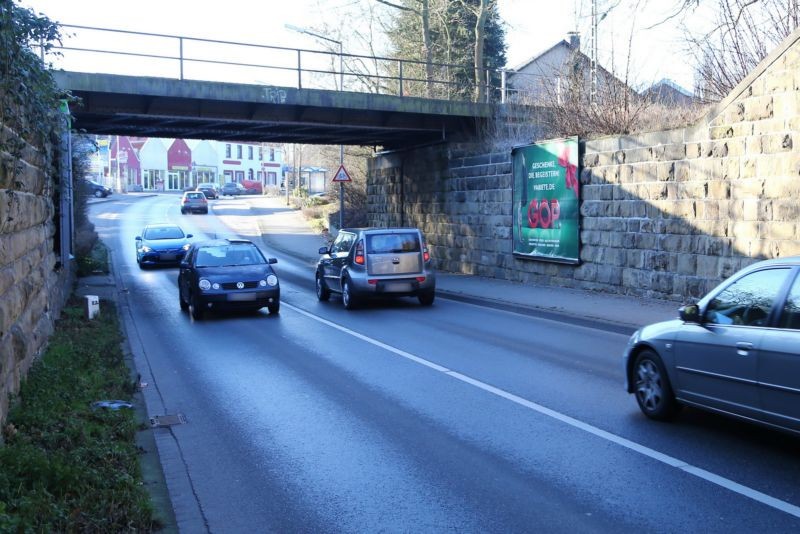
[(111, 104)]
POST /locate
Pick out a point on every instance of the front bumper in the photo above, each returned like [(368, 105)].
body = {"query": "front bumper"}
[(239, 298), (161, 257)]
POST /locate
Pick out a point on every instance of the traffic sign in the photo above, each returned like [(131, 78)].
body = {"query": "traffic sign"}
[(341, 175)]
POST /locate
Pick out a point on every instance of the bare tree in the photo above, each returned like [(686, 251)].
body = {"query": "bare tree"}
[(481, 12)]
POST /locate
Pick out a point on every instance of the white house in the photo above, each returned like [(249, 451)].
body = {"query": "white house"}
[(205, 161), (153, 163)]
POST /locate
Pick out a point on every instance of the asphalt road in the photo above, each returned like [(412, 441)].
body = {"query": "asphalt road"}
[(401, 418)]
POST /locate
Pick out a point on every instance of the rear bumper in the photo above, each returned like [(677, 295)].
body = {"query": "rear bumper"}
[(396, 286)]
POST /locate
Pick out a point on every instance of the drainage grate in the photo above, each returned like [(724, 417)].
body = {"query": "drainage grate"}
[(167, 420)]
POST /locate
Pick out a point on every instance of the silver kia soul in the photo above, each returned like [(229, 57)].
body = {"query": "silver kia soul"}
[(376, 262)]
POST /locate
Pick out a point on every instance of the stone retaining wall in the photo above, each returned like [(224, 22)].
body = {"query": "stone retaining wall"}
[(32, 291), (665, 215)]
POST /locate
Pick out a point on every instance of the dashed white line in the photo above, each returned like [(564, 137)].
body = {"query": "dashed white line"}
[(671, 461)]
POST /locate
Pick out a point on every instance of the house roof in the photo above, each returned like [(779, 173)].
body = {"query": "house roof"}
[(543, 53)]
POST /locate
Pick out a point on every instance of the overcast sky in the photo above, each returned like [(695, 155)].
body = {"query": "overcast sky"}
[(532, 26)]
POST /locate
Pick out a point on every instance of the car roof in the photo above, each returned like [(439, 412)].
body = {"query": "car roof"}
[(392, 229), (774, 262), (222, 242)]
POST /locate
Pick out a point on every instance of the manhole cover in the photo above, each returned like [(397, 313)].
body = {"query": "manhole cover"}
[(167, 420)]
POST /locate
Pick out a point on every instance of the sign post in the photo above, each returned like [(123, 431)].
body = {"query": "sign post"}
[(341, 176)]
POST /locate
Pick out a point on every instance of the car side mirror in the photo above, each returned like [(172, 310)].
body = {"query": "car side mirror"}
[(324, 250), (189, 235), (689, 313), (272, 260), (138, 238)]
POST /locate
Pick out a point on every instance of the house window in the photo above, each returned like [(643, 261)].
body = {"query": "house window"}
[(272, 154), (238, 151), (239, 176), (227, 151), (250, 174), (261, 153), (250, 152)]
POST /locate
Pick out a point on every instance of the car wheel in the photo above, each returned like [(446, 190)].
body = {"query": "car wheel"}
[(98, 194), (183, 211), (205, 211), (652, 388), (348, 299), (426, 299), (195, 308), (275, 308), (183, 303), (323, 293)]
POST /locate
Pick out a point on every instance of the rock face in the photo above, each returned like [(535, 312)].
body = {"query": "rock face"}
[(33, 284), (664, 214)]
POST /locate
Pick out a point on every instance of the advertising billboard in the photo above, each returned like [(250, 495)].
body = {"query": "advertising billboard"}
[(546, 199)]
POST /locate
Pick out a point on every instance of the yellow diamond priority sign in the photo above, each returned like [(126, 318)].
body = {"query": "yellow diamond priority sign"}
[(341, 175)]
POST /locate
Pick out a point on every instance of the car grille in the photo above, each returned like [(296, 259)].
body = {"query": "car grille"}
[(232, 285)]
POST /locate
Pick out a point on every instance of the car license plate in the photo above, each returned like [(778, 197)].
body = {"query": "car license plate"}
[(241, 297), (396, 287), (167, 257)]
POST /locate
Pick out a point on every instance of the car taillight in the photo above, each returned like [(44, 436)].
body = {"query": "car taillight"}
[(359, 259), (426, 256)]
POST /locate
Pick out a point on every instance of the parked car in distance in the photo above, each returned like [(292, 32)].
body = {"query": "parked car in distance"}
[(161, 244), (95, 189), (194, 202), (376, 262), (225, 274), (735, 352), (232, 189), (209, 189), (253, 187)]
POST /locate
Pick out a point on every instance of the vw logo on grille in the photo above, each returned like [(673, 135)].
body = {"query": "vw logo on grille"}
[(239, 285)]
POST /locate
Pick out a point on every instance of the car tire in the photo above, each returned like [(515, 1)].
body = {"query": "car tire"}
[(426, 299), (349, 300), (195, 308), (275, 308), (205, 212), (98, 194), (323, 293), (183, 212), (184, 305), (652, 387)]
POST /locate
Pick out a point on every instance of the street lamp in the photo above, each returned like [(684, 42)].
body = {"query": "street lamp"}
[(341, 88)]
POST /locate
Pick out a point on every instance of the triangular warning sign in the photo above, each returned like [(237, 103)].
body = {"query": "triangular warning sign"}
[(341, 175)]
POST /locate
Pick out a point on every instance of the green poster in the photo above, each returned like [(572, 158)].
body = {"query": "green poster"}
[(546, 200)]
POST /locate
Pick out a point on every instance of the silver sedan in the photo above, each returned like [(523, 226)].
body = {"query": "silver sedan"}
[(736, 352)]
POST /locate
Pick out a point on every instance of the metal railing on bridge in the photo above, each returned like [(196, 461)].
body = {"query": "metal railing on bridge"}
[(103, 50)]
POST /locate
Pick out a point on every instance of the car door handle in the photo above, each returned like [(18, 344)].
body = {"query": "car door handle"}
[(743, 348)]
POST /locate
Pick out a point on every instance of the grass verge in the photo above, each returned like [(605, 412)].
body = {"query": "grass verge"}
[(65, 466)]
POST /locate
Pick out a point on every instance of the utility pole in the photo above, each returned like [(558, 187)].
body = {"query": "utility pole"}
[(593, 55)]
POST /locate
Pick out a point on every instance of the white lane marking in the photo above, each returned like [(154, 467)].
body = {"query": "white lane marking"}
[(671, 461)]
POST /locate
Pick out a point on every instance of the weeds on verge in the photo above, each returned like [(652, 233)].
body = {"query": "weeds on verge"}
[(66, 467)]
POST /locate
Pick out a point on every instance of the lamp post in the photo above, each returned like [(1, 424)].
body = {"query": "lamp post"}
[(341, 88)]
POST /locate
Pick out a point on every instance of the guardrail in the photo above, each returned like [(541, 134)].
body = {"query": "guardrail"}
[(92, 49)]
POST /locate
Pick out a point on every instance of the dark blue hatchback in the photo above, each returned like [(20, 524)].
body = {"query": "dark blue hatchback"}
[(161, 244)]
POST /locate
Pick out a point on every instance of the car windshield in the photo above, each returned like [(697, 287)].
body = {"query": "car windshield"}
[(228, 255), (392, 243), (163, 232)]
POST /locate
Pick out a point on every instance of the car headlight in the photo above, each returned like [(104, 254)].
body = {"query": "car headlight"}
[(204, 284), (186, 246), (145, 248), (272, 280)]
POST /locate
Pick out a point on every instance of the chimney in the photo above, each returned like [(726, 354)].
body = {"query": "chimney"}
[(574, 40)]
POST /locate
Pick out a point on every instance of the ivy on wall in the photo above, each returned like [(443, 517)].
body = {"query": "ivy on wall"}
[(29, 97)]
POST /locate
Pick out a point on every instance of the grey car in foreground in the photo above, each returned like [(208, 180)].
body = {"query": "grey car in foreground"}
[(736, 352), (376, 262)]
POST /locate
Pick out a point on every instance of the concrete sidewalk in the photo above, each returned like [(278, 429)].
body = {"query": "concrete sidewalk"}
[(285, 229)]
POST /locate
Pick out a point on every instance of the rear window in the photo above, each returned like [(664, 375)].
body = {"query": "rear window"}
[(195, 195), (393, 243)]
